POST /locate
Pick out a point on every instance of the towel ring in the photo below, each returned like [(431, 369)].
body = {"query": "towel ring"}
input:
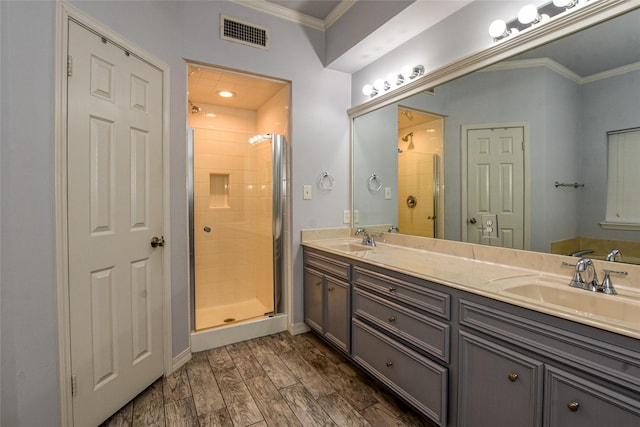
[(326, 181), (375, 183)]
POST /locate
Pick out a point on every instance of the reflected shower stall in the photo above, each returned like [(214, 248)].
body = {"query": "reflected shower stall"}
[(420, 147), (236, 222)]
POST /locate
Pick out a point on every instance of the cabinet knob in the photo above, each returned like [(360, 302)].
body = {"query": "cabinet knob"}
[(392, 289), (330, 289), (392, 319), (318, 283), (573, 406), (389, 363), (513, 377)]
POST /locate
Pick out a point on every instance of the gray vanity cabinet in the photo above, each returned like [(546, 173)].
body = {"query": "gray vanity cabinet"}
[(573, 401), (585, 377), (497, 386), (398, 326), (327, 298)]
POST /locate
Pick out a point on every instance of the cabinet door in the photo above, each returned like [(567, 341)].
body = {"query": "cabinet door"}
[(574, 401), (313, 292), (338, 321), (497, 386)]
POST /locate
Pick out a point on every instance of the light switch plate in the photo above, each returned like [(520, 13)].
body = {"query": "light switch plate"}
[(346, 217), (306, 194), (356, 216), (387, 193)]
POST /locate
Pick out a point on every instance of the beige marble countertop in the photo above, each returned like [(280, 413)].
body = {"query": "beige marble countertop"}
[(528, 279)]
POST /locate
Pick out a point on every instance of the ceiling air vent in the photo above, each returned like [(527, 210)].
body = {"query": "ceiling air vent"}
[(241, 32)]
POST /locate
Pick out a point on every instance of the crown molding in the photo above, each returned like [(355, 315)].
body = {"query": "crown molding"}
[(298, 17)]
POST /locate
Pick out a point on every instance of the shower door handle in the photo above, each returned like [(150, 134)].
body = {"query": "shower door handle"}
[(157, 241)]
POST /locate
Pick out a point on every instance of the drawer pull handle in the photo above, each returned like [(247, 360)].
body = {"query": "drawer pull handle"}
[(389, 363), (392, 319), (330, 289), (513, 377), (318, 283), (573, 406), (392, 289)]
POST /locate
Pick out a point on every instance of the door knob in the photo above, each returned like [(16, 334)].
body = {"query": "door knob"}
[(157, 241), (472, 221)]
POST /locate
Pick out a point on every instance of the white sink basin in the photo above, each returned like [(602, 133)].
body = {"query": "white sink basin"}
[(350, 247), (617, 307)]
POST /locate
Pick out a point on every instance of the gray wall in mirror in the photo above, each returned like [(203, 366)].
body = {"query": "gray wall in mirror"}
[(567, 115)]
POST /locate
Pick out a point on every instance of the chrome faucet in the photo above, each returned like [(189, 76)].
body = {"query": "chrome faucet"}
[(393, 229), (585, 277), (613, 254), (366, 239)]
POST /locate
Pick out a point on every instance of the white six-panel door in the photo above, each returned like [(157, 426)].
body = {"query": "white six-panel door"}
[(115, 208), (495, 185)]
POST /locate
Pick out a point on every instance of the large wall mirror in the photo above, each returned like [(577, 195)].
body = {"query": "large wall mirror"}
[(513, 154)]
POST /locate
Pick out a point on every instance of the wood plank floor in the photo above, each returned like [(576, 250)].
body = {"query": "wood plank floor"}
[(279, 380)]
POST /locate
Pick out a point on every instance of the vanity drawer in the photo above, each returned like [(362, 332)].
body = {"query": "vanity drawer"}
[(417, 329), (574, 401), (327, 265), (404, 292), (415, 378)]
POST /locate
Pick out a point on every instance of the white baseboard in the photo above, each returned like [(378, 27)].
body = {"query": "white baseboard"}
[(218, 337), (298, 328), (181, 359)]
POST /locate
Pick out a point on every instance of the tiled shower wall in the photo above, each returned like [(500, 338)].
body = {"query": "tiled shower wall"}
[(233, 261)]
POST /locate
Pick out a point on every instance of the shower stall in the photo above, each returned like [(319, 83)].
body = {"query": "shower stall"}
[(236, 213)]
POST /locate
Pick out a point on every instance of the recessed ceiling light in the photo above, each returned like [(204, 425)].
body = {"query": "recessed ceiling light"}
[(226, 93), (210, 115)]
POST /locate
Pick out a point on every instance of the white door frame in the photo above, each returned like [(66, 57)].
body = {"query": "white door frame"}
[(64, 12), (527, 175)]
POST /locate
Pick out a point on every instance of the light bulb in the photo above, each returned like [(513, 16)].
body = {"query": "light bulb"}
[(528, 14), (498, 28), (367, 90), (565, 3), (392, 79), (406, 71), (379, 84)]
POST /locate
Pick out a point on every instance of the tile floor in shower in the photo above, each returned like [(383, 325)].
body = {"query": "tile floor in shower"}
[(221, 315)]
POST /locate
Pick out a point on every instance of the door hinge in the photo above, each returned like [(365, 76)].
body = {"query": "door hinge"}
[(74, 385), (69, 66)]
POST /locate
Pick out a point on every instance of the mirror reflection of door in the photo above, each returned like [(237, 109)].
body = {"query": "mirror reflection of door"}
[(419, 175), (494, 186)]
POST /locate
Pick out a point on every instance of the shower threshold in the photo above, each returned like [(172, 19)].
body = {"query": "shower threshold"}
[(224, 315)]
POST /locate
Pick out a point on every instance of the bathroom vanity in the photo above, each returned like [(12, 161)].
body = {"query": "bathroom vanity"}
[(467, 342)]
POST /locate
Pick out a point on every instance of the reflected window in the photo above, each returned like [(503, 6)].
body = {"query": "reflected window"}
[(623, 176)]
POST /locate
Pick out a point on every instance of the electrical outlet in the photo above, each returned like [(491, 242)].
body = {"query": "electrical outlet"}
[(489, 226), (356, 216), (346, 217), (387, 193), (306, 194)]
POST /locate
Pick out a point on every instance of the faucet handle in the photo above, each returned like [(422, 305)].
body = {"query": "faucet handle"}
[(607, 283)]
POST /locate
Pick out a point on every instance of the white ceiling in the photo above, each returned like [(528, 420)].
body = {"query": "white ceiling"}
[(250, 93)]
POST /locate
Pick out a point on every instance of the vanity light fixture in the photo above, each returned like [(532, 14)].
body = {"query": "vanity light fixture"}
[(529, 16), (567, 4), (393, 80)]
